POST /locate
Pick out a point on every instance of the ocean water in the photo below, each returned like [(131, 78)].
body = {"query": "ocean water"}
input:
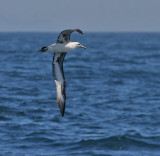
[(113, 96)]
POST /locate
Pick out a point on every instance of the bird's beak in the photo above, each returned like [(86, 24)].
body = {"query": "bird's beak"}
[(82, 46)]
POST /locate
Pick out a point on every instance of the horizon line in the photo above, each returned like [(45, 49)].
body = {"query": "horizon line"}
[(45, 31)]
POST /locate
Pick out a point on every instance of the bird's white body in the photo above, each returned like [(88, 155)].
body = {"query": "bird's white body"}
[(63, 47)]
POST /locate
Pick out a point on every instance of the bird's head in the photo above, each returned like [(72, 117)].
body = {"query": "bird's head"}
[(77, 44)]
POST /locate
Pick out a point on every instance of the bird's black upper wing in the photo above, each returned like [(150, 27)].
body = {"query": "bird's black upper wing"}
[(64, 36), (59, 80)]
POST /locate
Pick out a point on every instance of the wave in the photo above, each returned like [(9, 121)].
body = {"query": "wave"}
[(124, 142)]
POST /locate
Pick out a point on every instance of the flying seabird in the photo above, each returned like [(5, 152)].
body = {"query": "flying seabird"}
[(60, 48)]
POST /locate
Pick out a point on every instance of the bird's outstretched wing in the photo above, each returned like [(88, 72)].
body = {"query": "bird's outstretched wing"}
[(64, 36), (59, 80)]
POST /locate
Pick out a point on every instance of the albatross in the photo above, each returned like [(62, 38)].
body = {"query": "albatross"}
[(60, 48)]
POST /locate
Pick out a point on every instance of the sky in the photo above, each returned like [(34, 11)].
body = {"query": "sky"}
[(88, 15)]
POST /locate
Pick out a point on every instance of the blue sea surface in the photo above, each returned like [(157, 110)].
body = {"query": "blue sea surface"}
[(113, 96)]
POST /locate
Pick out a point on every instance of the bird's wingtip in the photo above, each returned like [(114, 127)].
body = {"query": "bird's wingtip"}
[(61, 107), (62, 112), (79, 30)]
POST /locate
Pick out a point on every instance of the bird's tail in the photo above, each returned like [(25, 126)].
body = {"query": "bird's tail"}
[(43, 49)]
